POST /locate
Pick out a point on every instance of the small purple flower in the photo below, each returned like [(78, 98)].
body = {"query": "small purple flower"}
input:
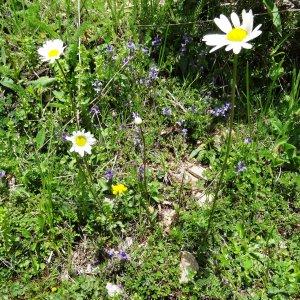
[(95, 110), (240, 167), (123, 255), (2, 173), (109, 175), (184, 132), (221, 111), (145, 50), (64, 137), (109, 48), (156, 41), (131, 46), (153, 73), (111, 253), (97, 86), (126, 60), (166, 111), (247, 140)]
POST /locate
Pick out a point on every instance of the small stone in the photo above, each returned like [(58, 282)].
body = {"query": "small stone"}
[(197, 171), (168, 216), (188, 266)]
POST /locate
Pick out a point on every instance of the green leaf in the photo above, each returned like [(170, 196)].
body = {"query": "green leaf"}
[(247, 263), (9, 83), (42, 81), (273, 10), (40, 138)]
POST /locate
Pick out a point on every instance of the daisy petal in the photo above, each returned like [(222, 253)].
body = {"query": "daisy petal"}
[(216, 48), (229, 47), (235, 20), (253, 35), (236, 48), (247, 46), (214, 39), (223, 23), (247, 20)]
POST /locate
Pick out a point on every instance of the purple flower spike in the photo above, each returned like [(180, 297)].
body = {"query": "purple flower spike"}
[(2, 173)]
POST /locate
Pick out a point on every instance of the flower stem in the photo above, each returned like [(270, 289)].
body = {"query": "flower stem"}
[(70, 92), (89, 176), (146, 194), (228, 145)]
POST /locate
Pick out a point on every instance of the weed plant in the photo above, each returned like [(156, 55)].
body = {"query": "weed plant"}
[(71, 224)]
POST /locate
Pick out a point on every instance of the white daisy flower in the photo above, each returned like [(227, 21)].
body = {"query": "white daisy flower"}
[(82, 142), (51, 50), (236, 37), (113, 289)]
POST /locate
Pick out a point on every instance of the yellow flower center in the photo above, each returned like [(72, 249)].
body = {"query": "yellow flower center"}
[(80, 140), (53, 53), (236, 35), (119, 189)]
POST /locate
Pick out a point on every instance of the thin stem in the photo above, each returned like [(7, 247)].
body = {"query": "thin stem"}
[(228, 146), (248, 93), (70, 92), (90, 178), (144, 163)]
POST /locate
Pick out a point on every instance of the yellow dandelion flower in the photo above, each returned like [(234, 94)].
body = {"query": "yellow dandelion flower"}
[(118, 189)]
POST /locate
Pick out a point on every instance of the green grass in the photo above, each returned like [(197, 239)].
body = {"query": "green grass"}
[(56, 220)]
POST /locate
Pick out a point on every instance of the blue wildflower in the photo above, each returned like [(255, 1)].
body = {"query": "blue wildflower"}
[(184, 132), (2, 173), (109, 48), (109, 175), (156, 41), (131, 46), (166, 111), (95, 110), (221, 111), (247, 140), (97, 86), (153, 73), (123, 255), (240, 167)]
